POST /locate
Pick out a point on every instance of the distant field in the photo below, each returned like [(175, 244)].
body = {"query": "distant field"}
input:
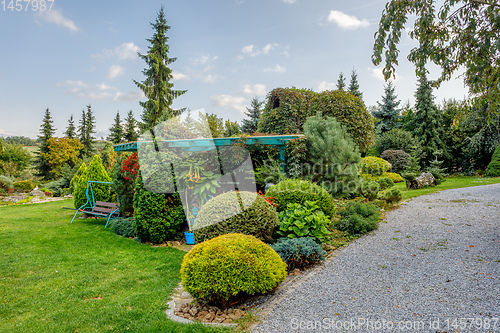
[(33, 150)]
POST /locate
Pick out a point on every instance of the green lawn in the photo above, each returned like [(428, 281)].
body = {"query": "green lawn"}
[(451, 182), (62, 277)]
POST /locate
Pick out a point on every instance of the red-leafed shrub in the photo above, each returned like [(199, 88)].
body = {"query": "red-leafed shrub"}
[(130, 167)]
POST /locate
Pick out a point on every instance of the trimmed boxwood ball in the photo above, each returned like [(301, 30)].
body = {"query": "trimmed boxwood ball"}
[(236, 212), (231, 267), (300, 191), (375, 166)]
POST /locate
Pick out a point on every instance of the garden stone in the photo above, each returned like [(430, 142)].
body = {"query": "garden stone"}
[(37, 193), (425, 179), (14, 198)]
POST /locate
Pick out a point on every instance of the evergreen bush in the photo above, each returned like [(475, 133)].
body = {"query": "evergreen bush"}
[(6, 182), (396, 139), (359, 218), (123, 227), (375, 166), (158, 216), (299, 191), (236, 212), (494, 166), (391, 195), (231, 267), (299, 252), (24, 185), (397, 158), (333, 157)]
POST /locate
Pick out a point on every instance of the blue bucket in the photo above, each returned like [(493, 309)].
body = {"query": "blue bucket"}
[(189, 238)]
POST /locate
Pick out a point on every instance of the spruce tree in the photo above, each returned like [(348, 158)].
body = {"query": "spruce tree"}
[(157, 86), (189, 122), (70, 132), (388, 112), (354, 85), (85, 131), (341, 82), (426, 122), (47, 130), (250, 125), (116, 131), (130, 134)]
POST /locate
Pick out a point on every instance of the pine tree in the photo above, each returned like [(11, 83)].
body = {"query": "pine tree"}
[(158, 86), (85, 131), (130, 134), (189, 122), (70, 130), (116, 131), (426, 122), (250, 125), (388, 112), (354, 85), (47, 130), (341, 82)]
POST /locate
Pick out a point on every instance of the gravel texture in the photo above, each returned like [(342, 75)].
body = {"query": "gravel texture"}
[(436, 259)]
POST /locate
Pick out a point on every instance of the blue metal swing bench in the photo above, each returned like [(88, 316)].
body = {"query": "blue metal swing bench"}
[(98, 209)]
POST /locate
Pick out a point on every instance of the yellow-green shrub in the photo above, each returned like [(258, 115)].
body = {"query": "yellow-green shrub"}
[(375, 166), (231, 266), (396, 177), (224, 214)]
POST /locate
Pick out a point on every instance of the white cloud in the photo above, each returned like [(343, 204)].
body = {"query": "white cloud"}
[(115, 71), (289, 1), (228, 101), (247, 49), (122, 52), (377, 73), (252, 51), (269, 47), (55, 16), (324, 85), (178, 76), (130, 96), (203, 59), (100, 91), (275, 69), (256, 90), (345, 21)]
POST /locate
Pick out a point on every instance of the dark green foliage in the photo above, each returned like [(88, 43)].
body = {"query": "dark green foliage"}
[(350, 112), (359, 218), (385, 183), (299, 252), (70, 132), (369, 189), (396, 139), (47, 130), (269, 172), (231, 267), (427, 122), (354, 85), (86, 131), (296, 152), (333, 157), (494, 166), (246, 213), (341, 82), (24, 185), (388, 112), (397, 158), (124, 187), (231, 128), (286, 111), (250, 125), (130, 134), (158, 217), (299, 191), (305, 220), (157, 85), (391, 195), (1, 147), (123, 227), (116, 131)]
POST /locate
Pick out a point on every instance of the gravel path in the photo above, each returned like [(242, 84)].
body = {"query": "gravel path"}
[(435, 261)]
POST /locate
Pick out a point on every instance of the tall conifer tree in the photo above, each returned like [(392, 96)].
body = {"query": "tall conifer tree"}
[(130, 134), (47, 130), (426, 122), (388, 111), (341, 82), (250, 125), (70, 130), (354, 85), (157, 86), (116, 131)]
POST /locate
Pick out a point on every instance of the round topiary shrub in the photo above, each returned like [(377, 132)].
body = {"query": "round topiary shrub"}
[(300, 191), (374, 165), (236, 212), (397, 158), (230, 267)]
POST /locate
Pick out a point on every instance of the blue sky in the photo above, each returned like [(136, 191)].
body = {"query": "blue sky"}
[(228, 51)]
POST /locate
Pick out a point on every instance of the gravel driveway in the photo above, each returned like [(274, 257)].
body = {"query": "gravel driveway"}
[(433, 267)]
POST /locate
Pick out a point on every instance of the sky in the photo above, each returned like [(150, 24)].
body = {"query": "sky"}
[(76, 53)]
